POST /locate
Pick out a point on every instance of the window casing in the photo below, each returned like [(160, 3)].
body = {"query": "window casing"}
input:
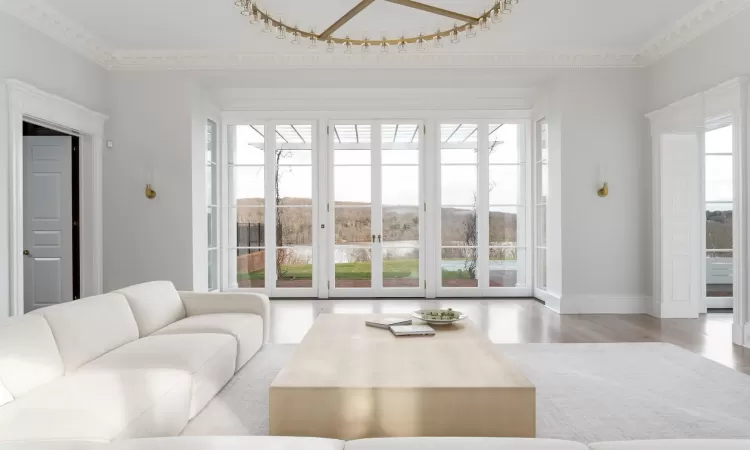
[(264, 200), (541, 177), (212, 200)]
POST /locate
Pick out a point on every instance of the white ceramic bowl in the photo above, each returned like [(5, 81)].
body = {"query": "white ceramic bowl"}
[(432, 316)]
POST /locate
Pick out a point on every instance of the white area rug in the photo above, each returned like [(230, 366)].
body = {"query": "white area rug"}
[(585, 392)]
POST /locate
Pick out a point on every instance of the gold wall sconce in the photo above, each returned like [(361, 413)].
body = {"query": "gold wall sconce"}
[(150, 193), (603, 191)]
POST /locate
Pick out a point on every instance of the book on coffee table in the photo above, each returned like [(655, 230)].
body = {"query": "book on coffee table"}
[(387, 322), (412, 330)]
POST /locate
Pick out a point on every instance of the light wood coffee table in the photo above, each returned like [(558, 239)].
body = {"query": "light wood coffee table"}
[(349, 381)]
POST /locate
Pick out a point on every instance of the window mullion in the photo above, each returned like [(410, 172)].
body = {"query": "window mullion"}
[(269, 151), (483, 199)]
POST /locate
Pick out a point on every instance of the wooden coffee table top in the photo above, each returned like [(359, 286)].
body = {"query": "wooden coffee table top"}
[(339, 351)]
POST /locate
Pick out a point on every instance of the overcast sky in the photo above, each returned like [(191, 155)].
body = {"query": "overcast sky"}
[(459, 182), (352, 183)]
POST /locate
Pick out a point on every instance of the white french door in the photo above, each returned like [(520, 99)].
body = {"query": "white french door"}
[(483, 189), (376, 209), (271, 192)]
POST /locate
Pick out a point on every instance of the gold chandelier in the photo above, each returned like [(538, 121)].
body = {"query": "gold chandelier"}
[(464, 25)]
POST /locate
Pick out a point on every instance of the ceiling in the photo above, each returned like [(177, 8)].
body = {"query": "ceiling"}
[(212, 33)]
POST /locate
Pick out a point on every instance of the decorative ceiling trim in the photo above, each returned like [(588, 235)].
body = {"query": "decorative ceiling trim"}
[(211, 60), (41, 16), (707, 16)]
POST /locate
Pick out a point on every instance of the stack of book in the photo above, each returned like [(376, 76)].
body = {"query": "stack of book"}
[(401, 327)]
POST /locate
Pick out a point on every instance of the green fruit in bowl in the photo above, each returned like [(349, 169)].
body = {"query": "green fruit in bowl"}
[(440, 314)]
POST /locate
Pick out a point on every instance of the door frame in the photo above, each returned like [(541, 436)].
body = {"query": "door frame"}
[(28, 103), (377, 289), (259, 112), (483, 164)]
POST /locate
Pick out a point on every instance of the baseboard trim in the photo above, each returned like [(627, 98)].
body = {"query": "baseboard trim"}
[(605, 304), (551, 301), (741, 334), (676, 310)]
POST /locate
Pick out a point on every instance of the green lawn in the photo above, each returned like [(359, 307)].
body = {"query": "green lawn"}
[(392, 268)]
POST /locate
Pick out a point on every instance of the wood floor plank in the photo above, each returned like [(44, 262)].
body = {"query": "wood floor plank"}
[(529, 321)]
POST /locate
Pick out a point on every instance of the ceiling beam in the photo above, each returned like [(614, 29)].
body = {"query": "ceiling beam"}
[(435, 10), (345, 18)]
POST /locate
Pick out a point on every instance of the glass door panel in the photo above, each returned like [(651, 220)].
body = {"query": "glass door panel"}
[(458, 200), (719, 200), (483, 217), (246, 250), (293, 201), (353, 235), (376, 209), (401, 200)]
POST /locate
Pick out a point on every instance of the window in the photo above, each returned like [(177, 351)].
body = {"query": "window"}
[(507, 251), (293, 200), (459, 205), (719, 200), (482, 200), (541, 176), (376, 208), (212, 200), (246, 201)]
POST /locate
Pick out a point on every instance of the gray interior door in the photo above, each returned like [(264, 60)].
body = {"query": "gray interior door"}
[(48, 227)]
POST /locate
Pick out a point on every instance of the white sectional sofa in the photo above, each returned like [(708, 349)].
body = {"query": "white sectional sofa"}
[(127, 370), (139, 362)]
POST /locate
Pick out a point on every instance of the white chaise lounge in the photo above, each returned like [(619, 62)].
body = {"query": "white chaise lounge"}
[(138, 362)]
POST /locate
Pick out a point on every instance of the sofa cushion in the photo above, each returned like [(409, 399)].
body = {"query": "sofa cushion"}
[(88, 328), (100, 406), (155, 305), (247, 329), (28, 356), (456, 443), (208, 358), (58, 445), (229, 443), (675, 444)]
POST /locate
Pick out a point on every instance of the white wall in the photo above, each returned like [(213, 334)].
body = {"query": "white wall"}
[(596, 117), (32, 57), (151, 125), (605, 257), (719, 55)]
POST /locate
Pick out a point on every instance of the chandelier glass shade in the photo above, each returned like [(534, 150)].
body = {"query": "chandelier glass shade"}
[(464, 25)]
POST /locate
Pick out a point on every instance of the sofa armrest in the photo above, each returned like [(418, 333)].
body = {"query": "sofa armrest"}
[(198, 303)]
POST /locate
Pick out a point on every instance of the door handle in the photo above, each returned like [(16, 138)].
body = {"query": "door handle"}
[(26, 253), (379, 238), (373, 238)]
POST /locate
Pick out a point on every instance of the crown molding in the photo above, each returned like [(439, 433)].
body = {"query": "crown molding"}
[(178, 60), (44, 18), (707, 16)]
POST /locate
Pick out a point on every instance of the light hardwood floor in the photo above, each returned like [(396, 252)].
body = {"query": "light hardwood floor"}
[(528, 321)]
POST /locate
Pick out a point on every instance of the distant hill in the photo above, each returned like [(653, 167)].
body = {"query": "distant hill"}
[(354, 222)]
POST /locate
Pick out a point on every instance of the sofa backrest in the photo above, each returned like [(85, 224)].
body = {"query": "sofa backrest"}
[(155, 305), (29, 356), (88, 328)]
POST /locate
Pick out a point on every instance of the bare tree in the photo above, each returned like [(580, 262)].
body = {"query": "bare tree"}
[(283, 255), (470, 231), (470, 240)]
